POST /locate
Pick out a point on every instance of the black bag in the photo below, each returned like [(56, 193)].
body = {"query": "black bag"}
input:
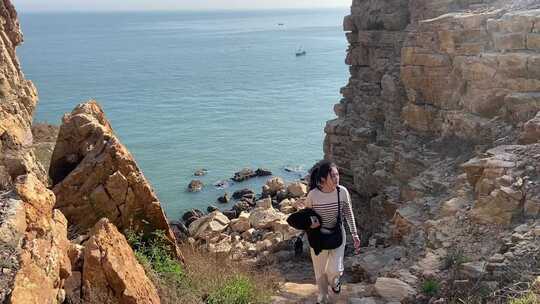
[(334, 239)]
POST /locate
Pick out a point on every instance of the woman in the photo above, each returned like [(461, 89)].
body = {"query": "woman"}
[(323, 199)]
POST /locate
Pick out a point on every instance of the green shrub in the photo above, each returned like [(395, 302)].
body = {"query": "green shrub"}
[(454, 258), (529, 298), (154, 251), (430, 287), (237, 290)]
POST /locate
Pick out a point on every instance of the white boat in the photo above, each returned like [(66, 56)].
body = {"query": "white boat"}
[(300, 52)]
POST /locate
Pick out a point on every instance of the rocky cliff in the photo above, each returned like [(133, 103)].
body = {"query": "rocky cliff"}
[(433, 84), (437, 131), (33, 236), (98, 186)]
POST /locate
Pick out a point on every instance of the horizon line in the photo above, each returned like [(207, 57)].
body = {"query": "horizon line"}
[(163, 10)]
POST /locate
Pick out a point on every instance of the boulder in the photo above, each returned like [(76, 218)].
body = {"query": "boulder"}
[(392, 289), (265, 203), (452, 206), (286, 206), (241, 223), (261, 218), (263, 172), (243, 175), (181, 233), (111, 273), (223, 247), (243, 192), (531, 131), (200, 172), (297, 189), (211, 224), (241, 206), (224, 198), (195, 186), (273, 185), (190, 216), (231, 214), (211, 208), (95, 176), (248, 234)]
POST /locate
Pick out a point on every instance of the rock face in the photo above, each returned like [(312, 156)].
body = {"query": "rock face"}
[(502, 183), (18, 99), (43, 260), (94, 176), (111, 273), (33, 237), (432, 83)]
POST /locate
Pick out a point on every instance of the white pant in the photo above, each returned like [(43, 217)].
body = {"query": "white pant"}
[(328, 266)]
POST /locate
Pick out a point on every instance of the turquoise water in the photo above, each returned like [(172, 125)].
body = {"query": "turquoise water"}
[(214, 90)]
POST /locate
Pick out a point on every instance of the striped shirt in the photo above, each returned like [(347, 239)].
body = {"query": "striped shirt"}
[(326, 205)]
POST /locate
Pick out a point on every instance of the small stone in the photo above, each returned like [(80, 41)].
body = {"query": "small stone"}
[(496, 258), (6, 270), (522, 228), (200, 172), (392, 289), (224, 198), (61, 297), (473, 270), (248, 234), (516, 237), (509, 255), (211, 209)]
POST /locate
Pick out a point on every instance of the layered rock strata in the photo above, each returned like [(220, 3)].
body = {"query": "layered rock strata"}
[(437, 138), (432, 84)]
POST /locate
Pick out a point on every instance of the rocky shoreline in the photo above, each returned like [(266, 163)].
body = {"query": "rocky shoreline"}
[(255, 227)]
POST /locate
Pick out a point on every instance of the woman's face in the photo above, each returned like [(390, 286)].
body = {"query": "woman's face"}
[(332, 180)]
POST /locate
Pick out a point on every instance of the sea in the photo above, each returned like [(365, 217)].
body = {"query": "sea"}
[(219, 90)]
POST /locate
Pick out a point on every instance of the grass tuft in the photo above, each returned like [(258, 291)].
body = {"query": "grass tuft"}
[(430, 287), (237, 290), (528, 298)]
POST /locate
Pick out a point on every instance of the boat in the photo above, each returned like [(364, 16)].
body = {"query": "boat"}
[(300, 52), (281, 24)]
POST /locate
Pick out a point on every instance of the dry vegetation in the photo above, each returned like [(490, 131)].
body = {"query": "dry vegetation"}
[(203, 278)]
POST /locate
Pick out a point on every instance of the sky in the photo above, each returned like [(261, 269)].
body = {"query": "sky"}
[(142, 5)]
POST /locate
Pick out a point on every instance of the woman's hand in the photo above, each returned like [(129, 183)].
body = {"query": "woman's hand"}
[(356, 241), (314, 222)]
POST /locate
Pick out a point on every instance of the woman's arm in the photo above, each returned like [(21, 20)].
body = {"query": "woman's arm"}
[(349, 216), (348, 212)]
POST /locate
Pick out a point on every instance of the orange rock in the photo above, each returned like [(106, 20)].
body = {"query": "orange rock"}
[(44, 263), (111, 273), (95, 176)]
